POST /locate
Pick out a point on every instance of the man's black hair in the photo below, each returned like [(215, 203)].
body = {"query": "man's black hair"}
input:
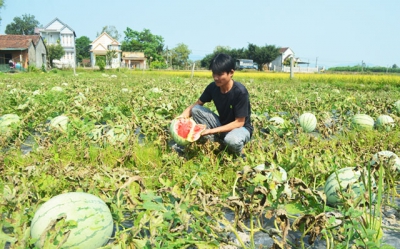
[(222, 63)]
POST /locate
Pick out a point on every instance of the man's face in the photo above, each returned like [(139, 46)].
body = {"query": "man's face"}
[(221, 79)]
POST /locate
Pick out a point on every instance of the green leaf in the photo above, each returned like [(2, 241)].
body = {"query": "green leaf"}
[(153, 206), (295, 208)]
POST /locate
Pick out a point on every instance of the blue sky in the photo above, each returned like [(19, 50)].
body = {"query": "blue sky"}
[(330, 33)]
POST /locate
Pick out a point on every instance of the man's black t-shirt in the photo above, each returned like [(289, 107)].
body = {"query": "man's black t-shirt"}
[(230, 105)]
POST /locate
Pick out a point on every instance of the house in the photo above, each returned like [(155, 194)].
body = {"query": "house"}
[(284, 55), (134, 60), (101, 45), (23, 49), (282, 63), (58, 32)]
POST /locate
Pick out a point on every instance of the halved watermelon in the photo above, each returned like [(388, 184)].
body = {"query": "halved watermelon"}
[(185, 130)]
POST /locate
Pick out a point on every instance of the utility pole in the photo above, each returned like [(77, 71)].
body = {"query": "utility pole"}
[(362, 65), (291, 67), (316, 62)]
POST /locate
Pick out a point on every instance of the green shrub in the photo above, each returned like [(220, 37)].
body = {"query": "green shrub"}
[(158, 65), (32, 68), (101, 62)]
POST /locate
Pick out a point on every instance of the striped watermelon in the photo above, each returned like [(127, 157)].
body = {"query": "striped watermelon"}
[(363, 122), (59, 123), (397, 106), (350, 181), (185, 130), (275, 124), (308, 122), (93, 217), (384, 122), (57, 89), (388, 159), (7, 121)]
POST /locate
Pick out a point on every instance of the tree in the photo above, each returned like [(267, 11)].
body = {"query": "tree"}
[(395, 66), (82, 45), (180, 55), (234, 53), (110, 55), (1, 6), (145, 41), (54, 52), (262, 55), (111, 31), (22, 26)]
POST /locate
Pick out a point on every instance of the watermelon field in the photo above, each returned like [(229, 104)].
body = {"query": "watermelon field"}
[(328, 179)]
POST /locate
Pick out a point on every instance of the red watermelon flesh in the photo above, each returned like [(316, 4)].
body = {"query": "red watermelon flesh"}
[(183, 128), (196, 132)]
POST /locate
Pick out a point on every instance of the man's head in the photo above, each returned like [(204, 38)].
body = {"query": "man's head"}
[(222, 63)]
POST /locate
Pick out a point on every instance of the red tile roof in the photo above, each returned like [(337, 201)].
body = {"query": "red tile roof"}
[(18, 41), (281, 50)]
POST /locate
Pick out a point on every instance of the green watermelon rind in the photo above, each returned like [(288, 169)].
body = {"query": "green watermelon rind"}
[(346, 177), (191, 137), (384, 121), (7, 121), (59, 123), (194, 136), (94, 219), (363, 122), (308, 122), (397, 106), (387, 155)]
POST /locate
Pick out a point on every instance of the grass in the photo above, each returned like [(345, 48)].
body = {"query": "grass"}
[(192, 190)]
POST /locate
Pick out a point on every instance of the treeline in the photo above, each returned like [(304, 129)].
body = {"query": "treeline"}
[(262, 55), (358, 68)]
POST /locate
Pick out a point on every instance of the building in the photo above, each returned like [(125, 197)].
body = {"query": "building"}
[(284, 55), (103, 44), (134, 60), (23, 50), (58, 32), (282, 63)]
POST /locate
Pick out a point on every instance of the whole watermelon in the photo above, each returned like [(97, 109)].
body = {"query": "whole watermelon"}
[(94, 223), (308, 122), (397, 106), (363, 122), (7, 121), (347, 180), (388, 159), (59, 123), (276, 125), (385, 122)]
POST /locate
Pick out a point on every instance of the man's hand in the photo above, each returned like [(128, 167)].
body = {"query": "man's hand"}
[(206, 132)]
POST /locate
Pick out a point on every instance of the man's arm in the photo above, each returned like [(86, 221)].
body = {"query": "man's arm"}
[(187, 112), (237, 123)]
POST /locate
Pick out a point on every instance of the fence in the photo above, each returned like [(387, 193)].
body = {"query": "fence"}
[(5, 68), (4, 64), (286, 69)]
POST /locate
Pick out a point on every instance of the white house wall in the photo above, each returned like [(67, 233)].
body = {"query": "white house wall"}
[(103, 40), (58, 31), (50, 37), (101, 45), (278, 62), (56, 25)]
